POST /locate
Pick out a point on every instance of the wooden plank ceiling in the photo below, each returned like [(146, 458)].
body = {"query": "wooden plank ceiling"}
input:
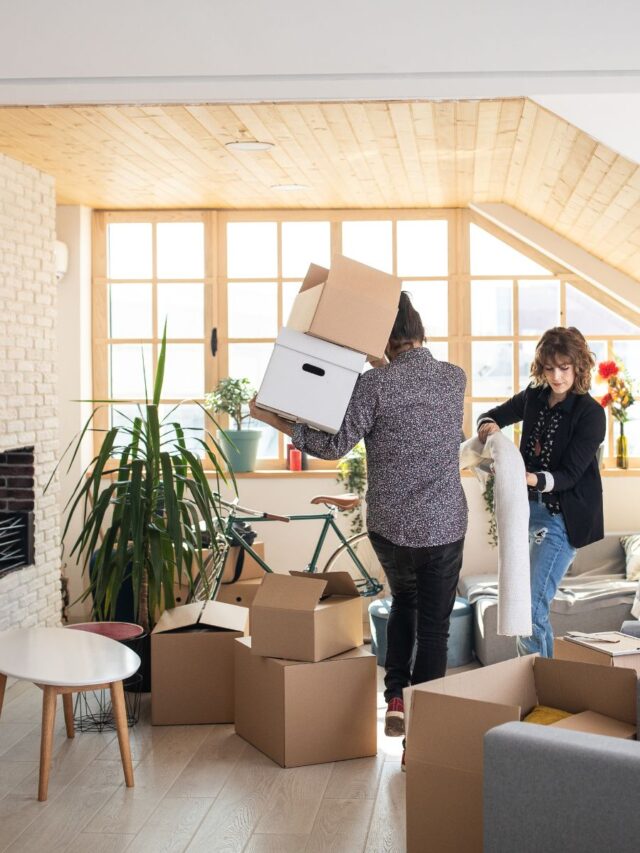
[(348, 155)]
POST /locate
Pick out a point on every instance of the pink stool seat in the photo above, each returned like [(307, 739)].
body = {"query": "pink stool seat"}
[(114, 630)]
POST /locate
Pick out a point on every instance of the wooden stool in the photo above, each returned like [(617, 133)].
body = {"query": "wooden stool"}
[(64, 662)]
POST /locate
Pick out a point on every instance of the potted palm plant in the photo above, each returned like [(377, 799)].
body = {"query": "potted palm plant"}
[(145, 504), (230, 397)]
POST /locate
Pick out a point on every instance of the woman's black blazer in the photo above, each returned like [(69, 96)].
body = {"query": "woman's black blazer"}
[(573, 462)]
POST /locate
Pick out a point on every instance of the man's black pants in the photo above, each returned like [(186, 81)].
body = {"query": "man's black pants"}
[(423, 584)]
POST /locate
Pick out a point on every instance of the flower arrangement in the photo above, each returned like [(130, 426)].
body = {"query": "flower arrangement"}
[(619, 397)]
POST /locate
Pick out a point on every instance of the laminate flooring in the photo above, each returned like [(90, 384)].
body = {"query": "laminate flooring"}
[(200, 789)]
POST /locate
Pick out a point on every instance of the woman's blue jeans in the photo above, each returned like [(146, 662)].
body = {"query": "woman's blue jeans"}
[(550, 554)]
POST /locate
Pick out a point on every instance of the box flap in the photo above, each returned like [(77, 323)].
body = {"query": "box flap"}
[(315, 275), (229, 617), (337, 583), (367, 282), (597, 724), (448, 730), (288, 593), (179, 617), (319, 349), (576, 687)]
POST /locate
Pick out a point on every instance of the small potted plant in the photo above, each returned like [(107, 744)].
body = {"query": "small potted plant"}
[(231, 397)]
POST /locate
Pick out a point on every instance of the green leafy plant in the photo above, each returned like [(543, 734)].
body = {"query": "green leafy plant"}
[(145, 503), (490, 505), (230, 396), (352, 473)]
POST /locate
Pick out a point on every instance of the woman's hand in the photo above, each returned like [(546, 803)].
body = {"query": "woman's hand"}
[(258, 414), (532, 480), (270, 418), (486, 429)]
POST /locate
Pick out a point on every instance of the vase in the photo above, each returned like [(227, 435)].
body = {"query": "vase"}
[(622, 452)]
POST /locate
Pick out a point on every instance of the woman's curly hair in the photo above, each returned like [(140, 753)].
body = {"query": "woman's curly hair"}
[(566, 344)]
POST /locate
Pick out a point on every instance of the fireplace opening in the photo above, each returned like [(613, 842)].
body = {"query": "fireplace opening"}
[(16, 509)]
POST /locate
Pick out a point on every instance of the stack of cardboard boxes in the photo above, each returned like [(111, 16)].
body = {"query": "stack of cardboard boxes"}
[(305, 689), (340, 316)]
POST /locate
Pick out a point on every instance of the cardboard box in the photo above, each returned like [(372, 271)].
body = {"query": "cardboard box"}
[(450, 716), (241, 593), (306, 617), (251, 569), (624, 654), (309, 381), (192, 663), (307, 713), (351, 304)]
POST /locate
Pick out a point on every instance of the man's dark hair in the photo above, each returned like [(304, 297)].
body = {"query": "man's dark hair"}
[(408, 325)]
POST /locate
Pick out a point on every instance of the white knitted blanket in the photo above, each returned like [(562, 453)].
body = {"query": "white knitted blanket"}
[(512, 517)]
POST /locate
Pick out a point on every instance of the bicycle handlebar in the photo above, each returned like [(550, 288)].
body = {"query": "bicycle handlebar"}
[(257, 513)]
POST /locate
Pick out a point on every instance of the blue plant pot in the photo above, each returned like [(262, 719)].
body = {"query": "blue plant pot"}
[(241, 448)]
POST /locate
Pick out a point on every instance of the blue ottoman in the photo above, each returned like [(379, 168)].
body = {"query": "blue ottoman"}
[(460, 650)]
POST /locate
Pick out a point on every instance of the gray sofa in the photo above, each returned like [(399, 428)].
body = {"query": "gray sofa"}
[(559, 791), (594, 596)]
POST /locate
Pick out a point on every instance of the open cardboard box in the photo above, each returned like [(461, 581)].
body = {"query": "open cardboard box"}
[(309, 380), (625, 653), (351, 304), (450, 716), (192, 663), (307, 617), (307, 713)]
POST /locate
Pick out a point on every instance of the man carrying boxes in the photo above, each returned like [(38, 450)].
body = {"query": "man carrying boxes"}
[(306, 644), (409, 413)]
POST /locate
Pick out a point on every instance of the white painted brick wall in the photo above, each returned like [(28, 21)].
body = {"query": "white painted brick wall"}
[(28, 405)]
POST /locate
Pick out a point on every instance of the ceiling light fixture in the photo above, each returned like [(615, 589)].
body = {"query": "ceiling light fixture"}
[(289, 188), (248, 145)]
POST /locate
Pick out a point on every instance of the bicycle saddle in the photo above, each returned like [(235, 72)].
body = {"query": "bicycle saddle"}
[(341, 501)]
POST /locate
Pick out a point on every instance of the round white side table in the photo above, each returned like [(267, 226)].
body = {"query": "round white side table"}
[(66, 662)]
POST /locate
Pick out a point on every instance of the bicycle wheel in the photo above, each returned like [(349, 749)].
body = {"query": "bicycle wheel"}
[(205, 586), (358, 552)]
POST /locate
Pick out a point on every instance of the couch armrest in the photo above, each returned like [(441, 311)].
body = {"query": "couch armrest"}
[(632, 627), (559, 791)]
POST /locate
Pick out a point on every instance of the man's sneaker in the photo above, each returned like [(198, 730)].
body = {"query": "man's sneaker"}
[(394, 718)]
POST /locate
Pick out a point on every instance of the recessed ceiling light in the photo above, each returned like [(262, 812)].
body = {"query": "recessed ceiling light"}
[(289, 188), (249, 145)]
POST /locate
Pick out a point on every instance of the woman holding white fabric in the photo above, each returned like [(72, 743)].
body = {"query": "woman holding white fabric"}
[(563, 426)]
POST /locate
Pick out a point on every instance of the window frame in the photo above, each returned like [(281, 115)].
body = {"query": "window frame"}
[(459, 338)]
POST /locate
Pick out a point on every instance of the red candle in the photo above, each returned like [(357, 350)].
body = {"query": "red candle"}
[(295, 459)]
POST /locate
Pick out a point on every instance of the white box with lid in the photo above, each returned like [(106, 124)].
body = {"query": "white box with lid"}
[(309, 380)]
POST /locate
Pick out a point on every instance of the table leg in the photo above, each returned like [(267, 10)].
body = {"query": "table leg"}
[(3, 684), (67, 704), (120, 717), (49, 697)]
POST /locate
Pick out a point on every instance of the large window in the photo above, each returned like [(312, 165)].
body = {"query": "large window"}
[(484, 298)]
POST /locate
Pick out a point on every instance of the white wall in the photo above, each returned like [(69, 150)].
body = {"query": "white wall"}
[(28, 404), (73, 227), (215, 50)]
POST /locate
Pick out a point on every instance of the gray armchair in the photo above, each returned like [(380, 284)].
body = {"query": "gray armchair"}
[(560, 791)]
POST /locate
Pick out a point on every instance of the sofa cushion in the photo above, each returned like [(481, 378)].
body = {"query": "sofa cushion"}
[(631, 546), (605, 557)]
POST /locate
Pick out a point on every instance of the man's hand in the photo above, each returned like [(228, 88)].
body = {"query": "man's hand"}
[(486, 429), (532, 480)]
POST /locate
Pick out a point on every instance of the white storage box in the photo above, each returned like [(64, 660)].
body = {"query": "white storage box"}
[(309, 380)]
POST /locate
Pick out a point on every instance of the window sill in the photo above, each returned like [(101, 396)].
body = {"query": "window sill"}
[(284, 474)]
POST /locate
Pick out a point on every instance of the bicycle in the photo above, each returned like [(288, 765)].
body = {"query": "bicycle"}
[(351, 555)]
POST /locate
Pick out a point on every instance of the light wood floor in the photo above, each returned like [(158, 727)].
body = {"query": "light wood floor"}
[(197, 788)]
